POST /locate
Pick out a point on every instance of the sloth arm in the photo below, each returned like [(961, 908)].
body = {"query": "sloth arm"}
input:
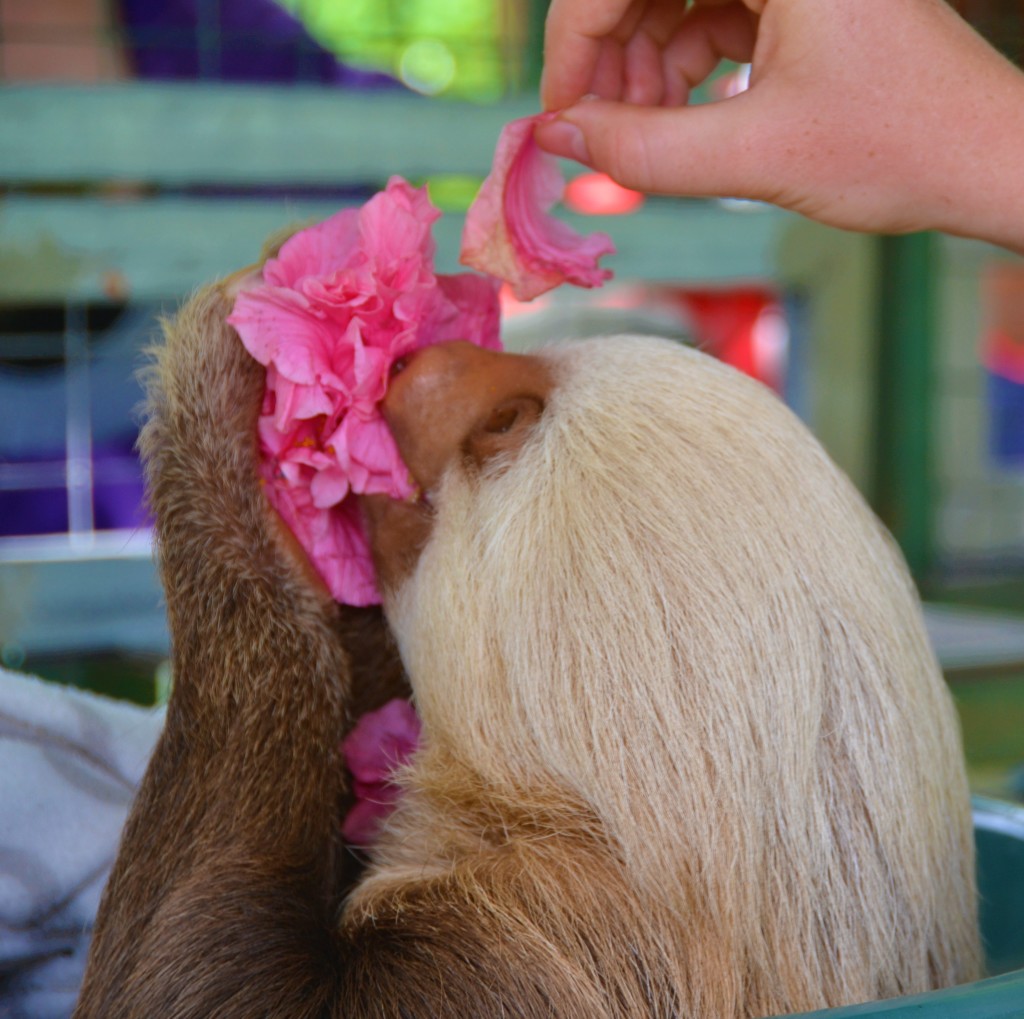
[(226, 898)]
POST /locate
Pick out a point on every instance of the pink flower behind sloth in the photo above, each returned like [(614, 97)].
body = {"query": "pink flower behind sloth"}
[(381, 742), (347, 298)]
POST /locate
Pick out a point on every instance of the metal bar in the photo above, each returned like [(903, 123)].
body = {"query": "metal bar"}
[(16, 477), (36, 474), (60, 548), (78, 429)]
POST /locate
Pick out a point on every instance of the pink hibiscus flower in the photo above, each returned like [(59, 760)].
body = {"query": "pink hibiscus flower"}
[(508, 233), (381, 742), (341, 302)]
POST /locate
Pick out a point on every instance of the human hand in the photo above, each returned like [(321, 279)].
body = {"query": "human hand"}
[(887, 115)]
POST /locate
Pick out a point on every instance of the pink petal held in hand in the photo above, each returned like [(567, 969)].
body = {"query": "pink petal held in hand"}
[(341, 302), (508, 232)]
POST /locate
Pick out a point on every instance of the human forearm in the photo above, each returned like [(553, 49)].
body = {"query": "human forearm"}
[(230, 867)]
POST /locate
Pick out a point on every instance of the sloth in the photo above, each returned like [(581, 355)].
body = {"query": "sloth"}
[(685, 748)]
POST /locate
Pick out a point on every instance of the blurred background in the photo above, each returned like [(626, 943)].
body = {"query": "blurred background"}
[(149, 146)]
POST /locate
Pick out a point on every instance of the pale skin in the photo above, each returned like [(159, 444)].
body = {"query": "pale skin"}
[(880, 115)]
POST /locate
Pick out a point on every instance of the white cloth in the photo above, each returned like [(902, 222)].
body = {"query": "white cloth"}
[(70, 762)]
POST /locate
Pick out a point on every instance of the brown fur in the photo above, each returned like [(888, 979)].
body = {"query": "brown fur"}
[(686, 752)]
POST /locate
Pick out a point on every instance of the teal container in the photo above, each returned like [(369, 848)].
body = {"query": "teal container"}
[(999, 834)]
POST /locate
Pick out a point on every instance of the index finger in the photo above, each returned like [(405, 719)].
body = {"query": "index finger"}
[(575, 34)]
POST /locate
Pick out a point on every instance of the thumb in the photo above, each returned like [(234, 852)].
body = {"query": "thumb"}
[(706, 150)]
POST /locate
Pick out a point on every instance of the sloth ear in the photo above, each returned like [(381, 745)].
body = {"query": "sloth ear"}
[(501, 434)]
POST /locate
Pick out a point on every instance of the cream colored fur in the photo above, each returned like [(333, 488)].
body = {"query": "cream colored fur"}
[(673, 616)]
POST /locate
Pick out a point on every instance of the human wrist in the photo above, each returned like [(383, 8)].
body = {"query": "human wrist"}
[(976, 184)]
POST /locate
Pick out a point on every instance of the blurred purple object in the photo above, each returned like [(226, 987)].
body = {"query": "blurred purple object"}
[(118, 500), (231, 40)]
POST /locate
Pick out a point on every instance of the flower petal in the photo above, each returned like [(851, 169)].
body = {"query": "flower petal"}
[(471, 310), (328, 487), (508, 233), (364, 820), (315, 251), (382, 741)]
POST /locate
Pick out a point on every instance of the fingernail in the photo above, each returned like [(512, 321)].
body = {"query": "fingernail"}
[(563, 138)]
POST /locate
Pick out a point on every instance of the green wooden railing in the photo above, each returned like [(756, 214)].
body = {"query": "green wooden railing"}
[(132, 190)]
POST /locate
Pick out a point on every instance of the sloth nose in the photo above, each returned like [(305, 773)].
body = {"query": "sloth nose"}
[(442, 396)]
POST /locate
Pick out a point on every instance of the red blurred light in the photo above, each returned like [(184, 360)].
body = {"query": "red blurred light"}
[(511, 306), (596, 194)]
